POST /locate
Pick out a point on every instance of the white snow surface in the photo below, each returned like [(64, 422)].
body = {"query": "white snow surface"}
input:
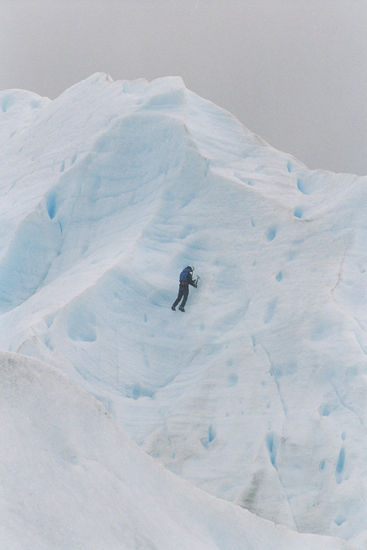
[(256, 394), (72, 479)]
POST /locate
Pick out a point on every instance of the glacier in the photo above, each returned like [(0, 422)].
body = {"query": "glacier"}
[(253, 402), (72, 479)]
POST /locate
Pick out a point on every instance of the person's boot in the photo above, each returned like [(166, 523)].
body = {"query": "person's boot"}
[(181, 308), (173, 308)]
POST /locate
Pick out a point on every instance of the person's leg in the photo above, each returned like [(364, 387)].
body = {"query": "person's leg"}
[(185, 295), (179, 296)]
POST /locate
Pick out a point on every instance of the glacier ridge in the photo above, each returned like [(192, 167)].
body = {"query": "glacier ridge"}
[(257, 394)]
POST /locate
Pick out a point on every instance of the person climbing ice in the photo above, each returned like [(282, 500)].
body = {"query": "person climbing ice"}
[(183, 290)]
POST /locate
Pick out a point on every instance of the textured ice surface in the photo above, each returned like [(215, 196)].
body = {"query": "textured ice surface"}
[(257, 394), (70, 478)]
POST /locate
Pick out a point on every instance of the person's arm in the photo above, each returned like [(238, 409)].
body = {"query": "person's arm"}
[(190, 281)]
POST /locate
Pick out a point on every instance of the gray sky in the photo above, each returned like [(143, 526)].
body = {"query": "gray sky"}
[(293, 71)]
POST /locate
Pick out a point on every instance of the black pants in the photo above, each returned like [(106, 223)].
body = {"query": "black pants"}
[(183, 291)]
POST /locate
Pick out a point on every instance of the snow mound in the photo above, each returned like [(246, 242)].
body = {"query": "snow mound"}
[(71, 479), (258, 393)]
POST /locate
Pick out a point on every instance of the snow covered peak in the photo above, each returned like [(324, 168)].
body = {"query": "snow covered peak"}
[(257, 393)]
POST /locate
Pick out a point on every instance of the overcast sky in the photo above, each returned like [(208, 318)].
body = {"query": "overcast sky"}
[(293, 71)]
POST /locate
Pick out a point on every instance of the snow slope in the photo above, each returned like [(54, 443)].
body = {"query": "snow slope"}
[(71, 479), (258, 393)]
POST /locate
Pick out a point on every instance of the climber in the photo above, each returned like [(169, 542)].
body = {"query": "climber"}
[(183, 291)]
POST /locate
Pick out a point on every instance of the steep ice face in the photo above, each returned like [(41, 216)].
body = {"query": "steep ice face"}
[(70, 478), (257, 394)]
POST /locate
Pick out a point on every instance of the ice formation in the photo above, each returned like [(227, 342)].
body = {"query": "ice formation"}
[(256, 395)]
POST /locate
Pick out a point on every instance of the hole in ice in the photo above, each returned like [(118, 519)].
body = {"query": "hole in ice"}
[(271, 445), (339, 520), (340, 465), (211, 436), (328, 408), (136, 391), (51, 205), (341, 461), (271, 233), (325, 410), (48, 343), (301, 187), (279, 276), (298, 212)]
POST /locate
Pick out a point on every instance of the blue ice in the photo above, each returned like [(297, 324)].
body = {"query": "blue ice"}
[(340, 465), (271, 233), (211, 436), (271, 445)]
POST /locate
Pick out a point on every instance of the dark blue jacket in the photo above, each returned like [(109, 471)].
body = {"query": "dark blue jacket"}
[(186, 277)]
